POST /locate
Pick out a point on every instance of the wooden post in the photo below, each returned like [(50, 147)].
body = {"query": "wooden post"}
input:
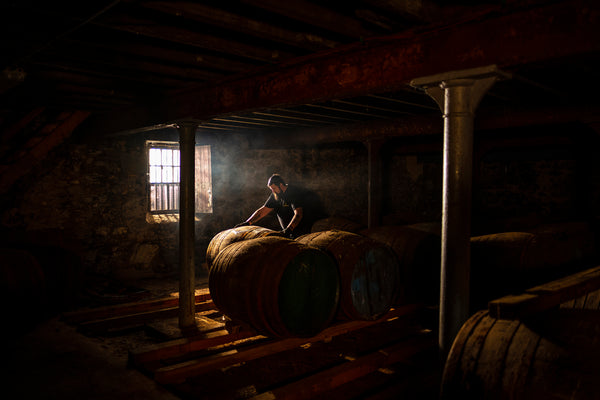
[(457, 93), (187, 139), (375, 182)]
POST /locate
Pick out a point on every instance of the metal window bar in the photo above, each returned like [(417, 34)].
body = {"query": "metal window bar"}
[(164, 197), (164, 178)]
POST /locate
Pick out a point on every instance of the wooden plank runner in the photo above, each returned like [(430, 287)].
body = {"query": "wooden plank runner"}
[(128, 308), (132, 320), (572, 286), (517, 306), (177, 373), (546, 296), (179, 347), (334, 377)]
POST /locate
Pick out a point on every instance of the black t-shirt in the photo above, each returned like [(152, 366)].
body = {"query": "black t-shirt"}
[(284, 207)]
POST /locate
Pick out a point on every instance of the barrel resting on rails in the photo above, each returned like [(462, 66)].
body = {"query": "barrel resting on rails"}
[(229, 236), (369, 272), (279, 287), (418, 250), (553, 355)]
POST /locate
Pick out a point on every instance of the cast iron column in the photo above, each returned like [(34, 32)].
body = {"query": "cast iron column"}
[(457, 93), (187, 309)]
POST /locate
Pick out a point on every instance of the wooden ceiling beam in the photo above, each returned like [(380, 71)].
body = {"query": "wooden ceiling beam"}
[(312, 14), (565, 29), (95, 91), (247, 26), (555, 31), (82, 80), (155, 30), (126, 66), (411, 10), (123, 77), (197, 59), (432, 124)]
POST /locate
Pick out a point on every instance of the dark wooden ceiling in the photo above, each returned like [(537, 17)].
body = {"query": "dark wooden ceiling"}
[(250, 64)]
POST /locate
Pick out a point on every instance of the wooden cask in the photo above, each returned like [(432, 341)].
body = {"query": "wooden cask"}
[(567, 243), (510, 262), (229, 236), (548, 246), (418, 250), (369, 272), (589, 301), (22, 290), (280, 287), (59, 256), (551, 356), (339, 223)]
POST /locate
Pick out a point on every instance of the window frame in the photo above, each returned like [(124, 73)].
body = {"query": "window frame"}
[(202, 184)]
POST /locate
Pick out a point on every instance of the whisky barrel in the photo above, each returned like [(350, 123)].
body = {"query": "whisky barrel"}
[(418, 250), (547, 246), (229, 236), (551, 356), (22, 290), (59, 257), (510, 262), (369, 272), (280, 287), (567, 243), (589, 301), (339, 223), (503, 263)]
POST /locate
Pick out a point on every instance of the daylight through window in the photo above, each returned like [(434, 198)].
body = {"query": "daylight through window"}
[(164, 176)]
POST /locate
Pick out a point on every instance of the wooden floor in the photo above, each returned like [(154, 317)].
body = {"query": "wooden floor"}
[(391, 358)]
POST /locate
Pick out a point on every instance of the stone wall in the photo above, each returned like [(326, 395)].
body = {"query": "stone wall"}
[(96, 193)]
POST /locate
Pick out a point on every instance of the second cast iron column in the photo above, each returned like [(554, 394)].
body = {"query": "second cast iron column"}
[(457, 93)]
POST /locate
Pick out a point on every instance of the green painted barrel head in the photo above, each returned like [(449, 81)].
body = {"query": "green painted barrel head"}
[(309, 292), (374, 282)]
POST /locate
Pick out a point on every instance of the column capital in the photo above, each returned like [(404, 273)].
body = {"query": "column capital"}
[(477, 80), (473, 73), (187, 124)]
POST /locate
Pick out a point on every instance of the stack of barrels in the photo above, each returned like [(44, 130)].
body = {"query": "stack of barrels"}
[(510, 262), (417, 248), (284, 288), (552, 355), (23, 289), (546, 355), (381, 267), (40, 276), (368, 269)]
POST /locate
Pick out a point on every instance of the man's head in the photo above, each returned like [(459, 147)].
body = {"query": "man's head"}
[(276, 184)]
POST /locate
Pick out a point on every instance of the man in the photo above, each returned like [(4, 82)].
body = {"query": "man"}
[(288, 203)]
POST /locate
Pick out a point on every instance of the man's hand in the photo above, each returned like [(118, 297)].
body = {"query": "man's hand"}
[(245, 223), (287, 233)]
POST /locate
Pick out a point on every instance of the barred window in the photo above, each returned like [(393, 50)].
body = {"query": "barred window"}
[(164, 176)]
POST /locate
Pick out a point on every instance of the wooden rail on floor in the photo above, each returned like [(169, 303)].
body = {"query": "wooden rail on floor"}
[(137, 319), (178, 372), (127, 315), (129, 308), (547, 296), (352, 369), (179, 347), (190, 363)]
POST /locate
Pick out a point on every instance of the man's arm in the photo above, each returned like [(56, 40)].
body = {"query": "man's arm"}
[(295, 219), (259, 214)]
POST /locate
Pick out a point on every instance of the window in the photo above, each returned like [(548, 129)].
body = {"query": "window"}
[(164, 175), (164, 179)]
